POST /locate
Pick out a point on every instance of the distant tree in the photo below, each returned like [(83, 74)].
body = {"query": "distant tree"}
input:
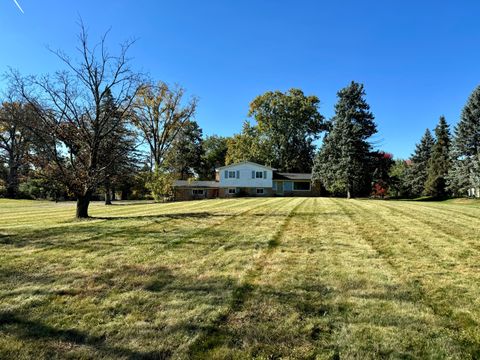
[(249, 145), (290, 122), (73, 129), (184, 158), (418, 170), (159, 114), (118, 151), (342, 165), (381, 164), (160, 184), (439, 163), (399, 185), (15, 142), (214, 155), (466, 148)]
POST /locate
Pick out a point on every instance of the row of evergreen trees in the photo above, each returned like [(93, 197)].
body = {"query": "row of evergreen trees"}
[(444, 165)]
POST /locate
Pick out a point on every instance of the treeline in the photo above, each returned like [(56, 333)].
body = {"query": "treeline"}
[(444, 165), (99, 129)]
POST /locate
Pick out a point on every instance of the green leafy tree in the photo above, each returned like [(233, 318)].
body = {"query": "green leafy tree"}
[(466, 147), (399, 185), (439, 163), (214, 155), (418, 170), (343, 163), (289, 123), (160, 184), (15, 142), (184, 158), (249, 145)]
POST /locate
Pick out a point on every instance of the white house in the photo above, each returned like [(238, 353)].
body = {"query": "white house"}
[(247, 179)]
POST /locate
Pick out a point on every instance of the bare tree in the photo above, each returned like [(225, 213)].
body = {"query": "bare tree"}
[(73, 129), (159, 115)]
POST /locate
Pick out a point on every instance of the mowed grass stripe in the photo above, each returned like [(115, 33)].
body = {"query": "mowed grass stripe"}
[(210, 343), (430, 271), (241, 278)]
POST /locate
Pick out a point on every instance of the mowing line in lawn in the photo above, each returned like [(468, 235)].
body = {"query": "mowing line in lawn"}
[(418, 280), (213, 336)]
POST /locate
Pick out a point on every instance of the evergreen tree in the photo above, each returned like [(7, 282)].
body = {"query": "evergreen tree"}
[(439, 163), (343, 163), (117, 151), (417, 172), (466, 147), (184, 159)]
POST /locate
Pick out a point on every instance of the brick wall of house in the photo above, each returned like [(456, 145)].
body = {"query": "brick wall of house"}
[(182, 194), (223, 192)]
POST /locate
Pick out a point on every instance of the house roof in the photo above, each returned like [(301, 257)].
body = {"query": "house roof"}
[(195, 184), (292, 176), (244, 162)]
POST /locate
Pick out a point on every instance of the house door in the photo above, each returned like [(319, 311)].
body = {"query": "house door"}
[(279, 188)]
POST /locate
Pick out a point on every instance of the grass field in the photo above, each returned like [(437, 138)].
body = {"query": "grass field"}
[(245, 278)]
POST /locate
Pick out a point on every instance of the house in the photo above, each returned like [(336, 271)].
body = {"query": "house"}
[(247, 179)]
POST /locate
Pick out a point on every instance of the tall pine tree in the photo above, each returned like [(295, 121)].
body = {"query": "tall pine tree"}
[(439, 163), (417, 172), (466, 148), (343, 161)]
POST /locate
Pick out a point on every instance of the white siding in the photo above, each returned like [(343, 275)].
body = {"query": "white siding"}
[(244, 170)]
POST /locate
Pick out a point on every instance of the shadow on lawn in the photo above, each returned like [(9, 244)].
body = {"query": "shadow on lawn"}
[(35, 330), (315, 314)]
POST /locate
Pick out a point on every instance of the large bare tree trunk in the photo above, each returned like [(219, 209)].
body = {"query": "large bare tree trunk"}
[(83, 201)]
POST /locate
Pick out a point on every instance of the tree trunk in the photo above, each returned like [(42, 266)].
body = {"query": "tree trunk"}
[(82, 205), (12, 182), (108, 198), (349, 195), (114, 197)]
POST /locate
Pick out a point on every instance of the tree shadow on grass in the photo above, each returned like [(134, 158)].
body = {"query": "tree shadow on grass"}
[(27, 329)]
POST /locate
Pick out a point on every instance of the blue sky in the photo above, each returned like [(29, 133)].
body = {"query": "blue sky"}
[(417, 59)]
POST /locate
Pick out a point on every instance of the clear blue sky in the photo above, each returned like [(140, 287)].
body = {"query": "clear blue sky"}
[(417, 59)]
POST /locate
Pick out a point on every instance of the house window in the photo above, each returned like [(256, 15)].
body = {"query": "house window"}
[(198, 192), (231, 174), (301, 186), (232, 191), (260, 191), (259, 175)]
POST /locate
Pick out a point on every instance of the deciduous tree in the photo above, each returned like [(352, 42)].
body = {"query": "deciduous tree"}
[(73, 129), (159, 113), (15, 141), (289, 123)]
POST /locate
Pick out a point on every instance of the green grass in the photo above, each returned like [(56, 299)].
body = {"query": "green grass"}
[(297, 278)]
